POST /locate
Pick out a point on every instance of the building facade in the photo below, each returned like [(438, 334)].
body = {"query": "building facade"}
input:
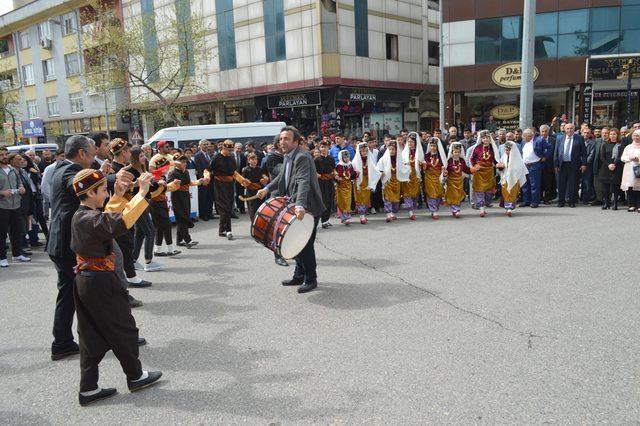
[(41, 63), (582, 49), (322, 65)]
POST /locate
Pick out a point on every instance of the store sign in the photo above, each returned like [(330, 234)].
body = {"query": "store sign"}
[(359, 94), (510, 75), (587, 102), (362, 96), (505, 112), (294, 100), (612, 95), (33, 128), (612, 68)]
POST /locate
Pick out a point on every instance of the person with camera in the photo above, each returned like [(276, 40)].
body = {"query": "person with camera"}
[(11, 190)]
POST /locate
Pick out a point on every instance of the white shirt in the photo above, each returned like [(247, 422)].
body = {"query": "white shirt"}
[(528, 154), (6, 170), (566, 155), (98, 160)]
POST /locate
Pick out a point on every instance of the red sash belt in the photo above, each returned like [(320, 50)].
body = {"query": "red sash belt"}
[(228, 178), (97, 264), (325, 176), (184, 188)]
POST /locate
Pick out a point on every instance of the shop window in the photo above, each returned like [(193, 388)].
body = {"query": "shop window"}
[(604, 18), (226, 34), (546, 24), (434, 53), (361, 13), (487, 52), (392, 47), (629, 42), (604, 42), (572, 45), (546, 47), (630, 17), (573, 21), (488, 29), (274, 30)]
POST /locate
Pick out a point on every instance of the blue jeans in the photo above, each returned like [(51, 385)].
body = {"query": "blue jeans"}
[(531, 189)]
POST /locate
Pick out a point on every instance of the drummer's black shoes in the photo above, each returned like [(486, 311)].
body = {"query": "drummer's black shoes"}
[(152, 377), (293, 281), (307, 287), (142, 341), (70, 350), (104, 393), (281, 262)]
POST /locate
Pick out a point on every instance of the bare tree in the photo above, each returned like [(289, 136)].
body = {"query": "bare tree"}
[(155, 56), (9, 101)]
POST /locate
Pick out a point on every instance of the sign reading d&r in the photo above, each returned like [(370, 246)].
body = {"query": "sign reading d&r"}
[(510, 75)]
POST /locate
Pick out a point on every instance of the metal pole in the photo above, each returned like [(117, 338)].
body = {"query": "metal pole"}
[(441, 111), (528, 59), (629, 78), (106, 114)]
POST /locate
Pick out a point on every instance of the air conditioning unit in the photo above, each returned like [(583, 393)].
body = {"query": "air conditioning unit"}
[(45, 43), (414, 102)]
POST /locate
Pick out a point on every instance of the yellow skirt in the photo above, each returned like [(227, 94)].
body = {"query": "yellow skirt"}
[(510, 196), (432, 186), (411, 189), (455, 190), (344, 190), (391, 190), (484, 180)]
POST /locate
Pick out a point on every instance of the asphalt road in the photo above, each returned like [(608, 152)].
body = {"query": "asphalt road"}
[(527, 320)]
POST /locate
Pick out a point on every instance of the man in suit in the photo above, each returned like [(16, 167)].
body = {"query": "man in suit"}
[(549, 187), (570, 159), (299, 181), (202, 159), (79, 153), (587, 192), (241, 163)]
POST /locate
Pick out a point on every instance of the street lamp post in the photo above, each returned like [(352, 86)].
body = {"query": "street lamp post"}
[(528, 56)]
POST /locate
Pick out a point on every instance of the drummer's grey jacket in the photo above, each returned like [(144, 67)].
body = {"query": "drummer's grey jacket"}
[(298, 179)]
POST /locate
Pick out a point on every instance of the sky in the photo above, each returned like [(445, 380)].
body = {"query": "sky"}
[(5, 6)]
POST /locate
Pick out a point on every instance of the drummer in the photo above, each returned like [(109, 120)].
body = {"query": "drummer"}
[(299, 181)]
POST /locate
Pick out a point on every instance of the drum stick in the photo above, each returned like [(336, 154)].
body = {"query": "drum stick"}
[(254, 197)]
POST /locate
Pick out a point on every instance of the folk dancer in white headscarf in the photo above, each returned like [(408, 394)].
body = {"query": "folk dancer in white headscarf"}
[(413, 157), (392, 170), (484, 156), (455, 173), (345, 175), (434, 164), (367, 177), (513, 175)]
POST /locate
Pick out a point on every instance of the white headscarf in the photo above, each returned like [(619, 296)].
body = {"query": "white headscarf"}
[(341, 158), (496, 151), (515, 171), (462, 156), (403, 168), (384, 165), (373, 174), (419, 156)]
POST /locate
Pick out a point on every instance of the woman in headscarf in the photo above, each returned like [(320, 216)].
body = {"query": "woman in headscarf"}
[(345, 175), (412, 156), (513, 175), (483, 159), (610, 170), (455, 173), (367, 177), (630, 182), (388, 168), (434, 164)]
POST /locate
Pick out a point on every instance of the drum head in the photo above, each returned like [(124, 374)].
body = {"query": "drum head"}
[(296, 236)]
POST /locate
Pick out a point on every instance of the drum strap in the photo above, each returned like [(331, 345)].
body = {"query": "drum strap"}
[(277, 224)]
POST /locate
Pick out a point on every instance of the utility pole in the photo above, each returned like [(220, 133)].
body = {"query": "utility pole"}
[(528, 63), (441, 110), (629, 79)]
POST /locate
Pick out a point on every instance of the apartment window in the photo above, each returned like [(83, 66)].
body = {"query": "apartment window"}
[(48, 70), (23, 39), (361, 13), (226, 35), (32, 108), (392, 47), (434, 53), (77, 105), (150, 39), (274, 30), (27, 74), (71, 63), (69, 25), (185, 45), (44, 30), (52, 106)]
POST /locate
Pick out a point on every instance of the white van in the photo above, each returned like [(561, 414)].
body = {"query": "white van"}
[(38, 148), (241, 132)]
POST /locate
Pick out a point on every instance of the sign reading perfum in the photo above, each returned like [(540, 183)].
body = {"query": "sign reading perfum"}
[(509, 75)]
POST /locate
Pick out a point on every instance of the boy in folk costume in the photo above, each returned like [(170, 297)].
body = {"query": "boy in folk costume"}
[(388, 167), (455, 173), (513, 175), (325, 168), (159, 167), (367, 177), (345, 175), (181, 199), (413, 157), (434, 165), (484, 156), (104, 316), (255, 181)]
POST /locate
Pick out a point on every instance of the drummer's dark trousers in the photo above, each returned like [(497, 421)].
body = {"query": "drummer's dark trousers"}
[(306, 260), (223, 192)]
